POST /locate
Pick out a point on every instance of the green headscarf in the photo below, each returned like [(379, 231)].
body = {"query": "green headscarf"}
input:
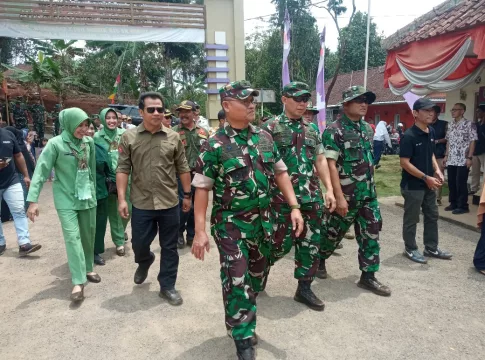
[(105, 131), (69, 120)]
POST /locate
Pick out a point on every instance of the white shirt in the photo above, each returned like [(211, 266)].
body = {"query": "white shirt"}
[(382, 134)]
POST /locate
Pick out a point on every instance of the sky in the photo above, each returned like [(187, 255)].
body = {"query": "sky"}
[(389, 15)]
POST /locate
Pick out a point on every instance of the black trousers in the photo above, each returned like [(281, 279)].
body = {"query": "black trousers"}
[(414, 201), (144, 225), (457, 182)]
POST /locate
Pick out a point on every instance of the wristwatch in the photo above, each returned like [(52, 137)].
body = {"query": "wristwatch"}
[(424, 177), (187, 195), (295, 207)]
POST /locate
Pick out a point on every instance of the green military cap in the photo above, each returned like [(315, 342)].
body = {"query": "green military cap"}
[(186, 105), (238, 90), (355, 91), (296, 88), (312, 108)]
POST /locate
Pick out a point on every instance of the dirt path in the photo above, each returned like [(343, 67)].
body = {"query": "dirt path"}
[(436, 311)]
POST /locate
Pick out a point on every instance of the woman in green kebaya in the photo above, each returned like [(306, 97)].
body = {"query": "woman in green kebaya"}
[(107, 144), (71, 155)]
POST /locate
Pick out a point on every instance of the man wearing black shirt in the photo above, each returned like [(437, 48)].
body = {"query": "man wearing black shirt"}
[(478, 160), (11, 191), (440, 128), (421, 176)]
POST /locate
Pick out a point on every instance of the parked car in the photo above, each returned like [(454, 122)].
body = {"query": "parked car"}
[(129, 110)]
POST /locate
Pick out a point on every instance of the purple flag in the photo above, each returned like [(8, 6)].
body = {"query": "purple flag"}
[(286, 49), (321, 106), (410, 98)]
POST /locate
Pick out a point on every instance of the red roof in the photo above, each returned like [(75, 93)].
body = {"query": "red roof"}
[(375, 83), (450, 16)]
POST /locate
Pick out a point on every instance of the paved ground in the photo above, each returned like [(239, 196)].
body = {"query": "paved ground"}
[(435, 312)]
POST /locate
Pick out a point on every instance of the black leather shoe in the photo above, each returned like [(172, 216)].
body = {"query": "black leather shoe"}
[(369, 282), (78, 296), (181, 241), (94, 278), (142, 272), (190, 241), (245, 350), (98, 260), (460, 211), (27, 249), (2, 249), (172, 296), (450, 208), (322, 270), (305, 295)]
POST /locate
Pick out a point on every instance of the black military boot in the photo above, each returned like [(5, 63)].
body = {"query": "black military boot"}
[(368, 281), (245, 350), (322, 270), (305, 295)]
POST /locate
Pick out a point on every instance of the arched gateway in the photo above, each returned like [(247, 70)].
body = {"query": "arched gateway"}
[(219, 24)]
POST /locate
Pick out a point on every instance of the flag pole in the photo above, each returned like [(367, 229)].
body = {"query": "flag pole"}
[(367, 46)]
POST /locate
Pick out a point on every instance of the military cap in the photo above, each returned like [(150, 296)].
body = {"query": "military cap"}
[(296, 88), (186, 105), (312, 108), (238, 90), (167, 113), (355, 91), (423, 104)]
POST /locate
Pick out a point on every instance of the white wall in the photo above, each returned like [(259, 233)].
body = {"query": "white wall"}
[(453, 97)]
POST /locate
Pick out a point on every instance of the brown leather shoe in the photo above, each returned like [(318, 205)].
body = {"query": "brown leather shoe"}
[(78, 296), (372, 284), (94, 278)]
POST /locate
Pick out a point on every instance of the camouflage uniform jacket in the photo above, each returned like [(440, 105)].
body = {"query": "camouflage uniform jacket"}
[(192, 141), (241, 165), (19, 116), (299, 144), (37, 111), (349, 143)]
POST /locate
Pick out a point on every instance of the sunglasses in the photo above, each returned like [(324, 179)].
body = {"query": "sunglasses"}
[(301, 99), (151, 109)]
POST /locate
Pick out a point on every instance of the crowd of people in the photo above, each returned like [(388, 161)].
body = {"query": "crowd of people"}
[(265, 181)]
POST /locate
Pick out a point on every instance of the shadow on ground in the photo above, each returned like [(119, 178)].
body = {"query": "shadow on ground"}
[(140, 299)]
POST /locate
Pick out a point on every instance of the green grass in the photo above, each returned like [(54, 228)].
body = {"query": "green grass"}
[(388, 177)]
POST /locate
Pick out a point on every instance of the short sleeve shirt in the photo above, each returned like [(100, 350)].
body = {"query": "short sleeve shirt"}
[(460, 135), (241, 165), (349, 143), (8, 148), (418, 146), (153, 161), (299, 144)]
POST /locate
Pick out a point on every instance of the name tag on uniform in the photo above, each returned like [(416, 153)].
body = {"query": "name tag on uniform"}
[(230, 151), (265, 145)]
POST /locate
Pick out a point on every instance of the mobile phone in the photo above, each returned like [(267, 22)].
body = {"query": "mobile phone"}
[(6, 159)]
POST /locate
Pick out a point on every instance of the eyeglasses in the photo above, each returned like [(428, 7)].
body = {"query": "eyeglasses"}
[(360, 100), (300, 99), (452, 110), (246, 102), (152, 109)]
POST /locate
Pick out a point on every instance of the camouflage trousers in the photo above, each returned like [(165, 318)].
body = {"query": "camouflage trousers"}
[(367, 220), (39, 128), (243, 272), (306, 245), (57, 127)]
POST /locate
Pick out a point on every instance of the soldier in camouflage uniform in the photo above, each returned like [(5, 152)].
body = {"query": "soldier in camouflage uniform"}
[(348, 147), (300, 146), (192, 137), (55, 120), (19, 114), (241, 164), (38, 116), (310, 113)]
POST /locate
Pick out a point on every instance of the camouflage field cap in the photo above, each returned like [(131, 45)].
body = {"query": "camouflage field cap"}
[(238, 90), (296, 88), (186, 105), (355, 91), (167, 113), (312, 108)]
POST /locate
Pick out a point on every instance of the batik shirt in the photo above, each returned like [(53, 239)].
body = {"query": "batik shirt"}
[(299, 144), (349, 143), (239, 166), (460, 134)]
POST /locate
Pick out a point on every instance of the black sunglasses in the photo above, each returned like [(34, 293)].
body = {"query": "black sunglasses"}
[(152, 109), (300, 99)]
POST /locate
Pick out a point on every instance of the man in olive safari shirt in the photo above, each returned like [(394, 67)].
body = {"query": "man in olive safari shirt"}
[(153, 154)]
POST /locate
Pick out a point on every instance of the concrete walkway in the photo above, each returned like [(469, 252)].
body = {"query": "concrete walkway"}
[(435, 311)]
